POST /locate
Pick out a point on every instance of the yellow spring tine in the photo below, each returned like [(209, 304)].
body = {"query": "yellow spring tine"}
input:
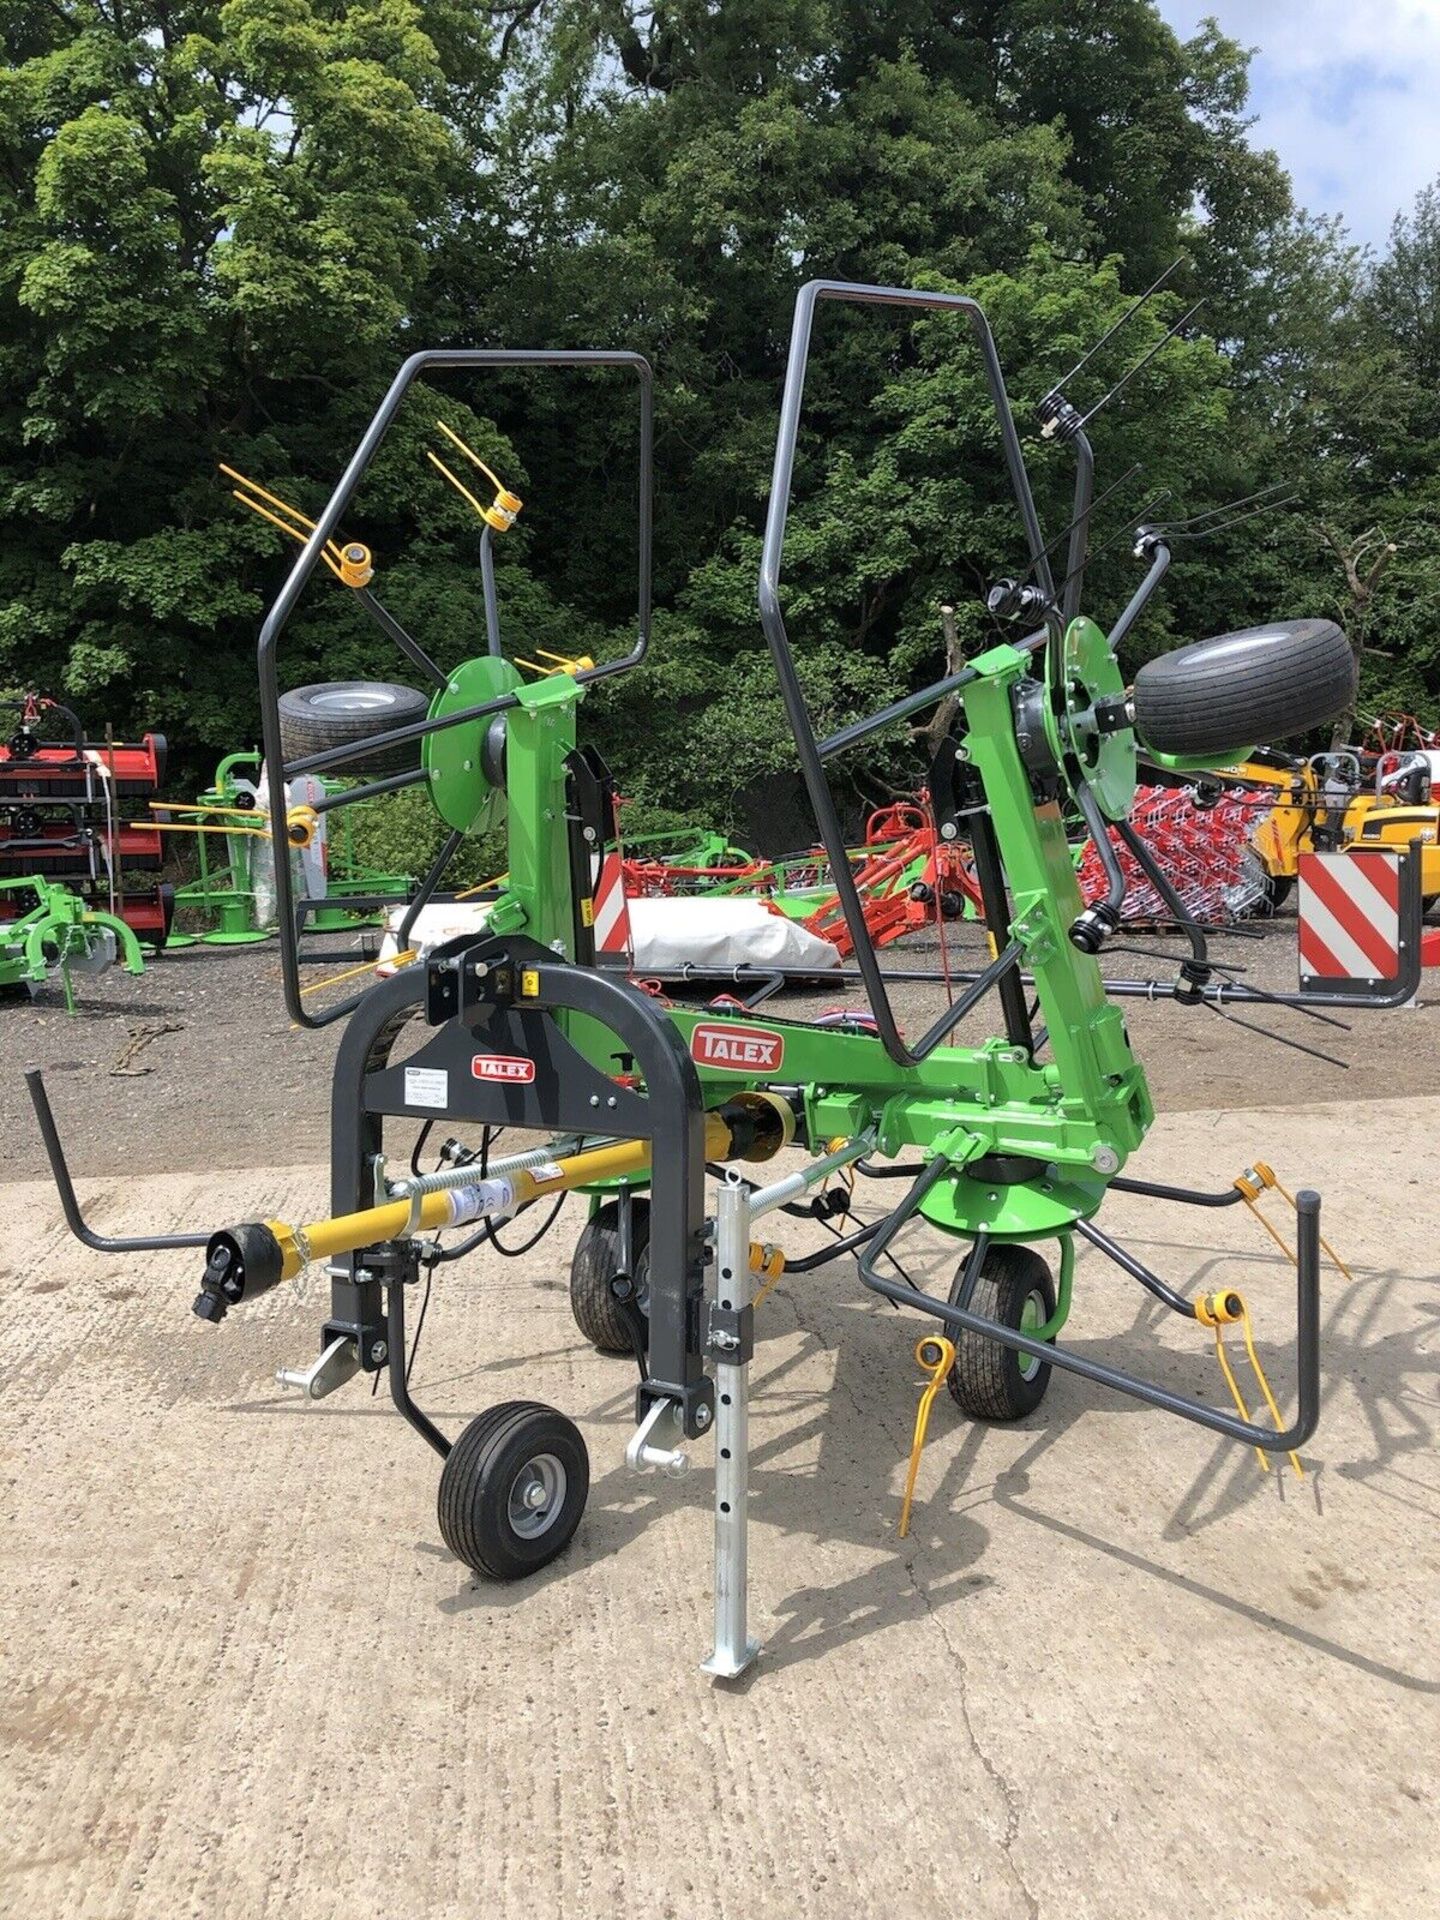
[(937, 1356), (470, 454)]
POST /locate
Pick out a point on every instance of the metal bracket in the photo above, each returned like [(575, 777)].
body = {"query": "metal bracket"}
[(731, 1335), (643, 1457), (335, 1366)]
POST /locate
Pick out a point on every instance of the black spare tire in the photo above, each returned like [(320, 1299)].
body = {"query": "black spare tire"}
[(339, 712), (1243, 689)]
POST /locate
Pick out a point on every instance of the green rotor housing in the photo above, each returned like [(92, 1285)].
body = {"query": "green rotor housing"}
[(461, 791)]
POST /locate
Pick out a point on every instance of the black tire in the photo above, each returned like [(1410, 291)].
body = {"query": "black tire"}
[(1242, 689), (337, 712), (1428, 903), (594, 1264), (512, 1451), (989, 1381)]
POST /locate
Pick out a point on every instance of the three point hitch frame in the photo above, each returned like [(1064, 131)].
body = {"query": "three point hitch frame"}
[(1002, 1144)]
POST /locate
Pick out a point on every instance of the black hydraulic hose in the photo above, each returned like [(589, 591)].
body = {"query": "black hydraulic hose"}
[(70, 1205)]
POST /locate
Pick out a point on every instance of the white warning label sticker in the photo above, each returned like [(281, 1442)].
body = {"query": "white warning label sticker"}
[(427, 1087)]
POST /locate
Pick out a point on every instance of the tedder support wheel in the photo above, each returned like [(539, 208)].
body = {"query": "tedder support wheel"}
[(595, 1263), (988, 1381), (513, 1489), (341, 711), (1260, 684)]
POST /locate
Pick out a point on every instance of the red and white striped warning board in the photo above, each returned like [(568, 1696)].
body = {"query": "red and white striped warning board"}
[(1350, 919), (612, 916)]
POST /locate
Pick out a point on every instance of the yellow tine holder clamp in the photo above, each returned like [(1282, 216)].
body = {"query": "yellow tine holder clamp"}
[(1228, 1308), (353, 564), (502, 511), (937, 1356), (769, 1263)]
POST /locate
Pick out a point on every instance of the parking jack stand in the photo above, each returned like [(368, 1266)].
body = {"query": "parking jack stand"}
[(730, 1343)]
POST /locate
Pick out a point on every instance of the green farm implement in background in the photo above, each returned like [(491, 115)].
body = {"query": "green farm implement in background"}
[(59, 934), (230, 891)]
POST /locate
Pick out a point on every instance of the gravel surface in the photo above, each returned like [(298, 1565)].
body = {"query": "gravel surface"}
[(196, 1063)]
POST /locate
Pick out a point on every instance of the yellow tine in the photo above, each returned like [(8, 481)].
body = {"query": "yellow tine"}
[(938, 1370), (294, 532), (470, 454), (458, 484)]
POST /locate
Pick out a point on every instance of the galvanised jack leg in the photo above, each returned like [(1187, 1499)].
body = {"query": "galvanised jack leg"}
[(734, 1650), (731, 1345)]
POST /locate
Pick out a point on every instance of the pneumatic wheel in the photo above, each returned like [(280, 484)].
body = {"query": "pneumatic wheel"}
[(340, 713), (596, 1261), (989, 1381), (513, 1489), (1261, 684)]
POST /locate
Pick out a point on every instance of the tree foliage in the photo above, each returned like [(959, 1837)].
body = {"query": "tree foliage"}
[(222, 227)]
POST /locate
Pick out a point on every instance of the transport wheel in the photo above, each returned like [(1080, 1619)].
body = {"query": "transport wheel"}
[(988, 1381), (513, 1489), (594, 1264), (338, 712), (1240, 689)]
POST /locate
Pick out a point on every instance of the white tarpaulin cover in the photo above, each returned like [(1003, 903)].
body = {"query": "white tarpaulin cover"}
[(667, 935)]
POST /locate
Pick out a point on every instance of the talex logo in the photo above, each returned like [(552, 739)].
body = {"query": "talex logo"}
[(503, 1066), (755, 1050)]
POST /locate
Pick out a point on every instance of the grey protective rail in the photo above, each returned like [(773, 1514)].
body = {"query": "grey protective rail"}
[(772, 618), (1307, 1343), (65, 1187)]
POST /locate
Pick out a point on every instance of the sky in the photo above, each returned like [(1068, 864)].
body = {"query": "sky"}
[(1347, 92)]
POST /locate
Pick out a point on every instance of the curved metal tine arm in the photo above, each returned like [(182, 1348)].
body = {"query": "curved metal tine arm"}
[(453, 843), (440, 360), (975, 992), (1143, 857), (1159, 563), (392, 629), (1137, 1269), (772, 552), (1097, 827), (65, 1187), (372, 789), (1077, 555), (912, 703), (1307, 1306), (1187, 1196)]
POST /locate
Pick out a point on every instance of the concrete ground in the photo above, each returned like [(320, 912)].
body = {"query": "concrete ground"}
[(1116, 1670)]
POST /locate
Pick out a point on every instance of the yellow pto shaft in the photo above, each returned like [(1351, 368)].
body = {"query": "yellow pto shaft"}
[(243, 1261)]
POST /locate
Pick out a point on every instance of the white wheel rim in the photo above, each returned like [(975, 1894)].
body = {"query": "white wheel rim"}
[(537, 1493), (352, 700), (1033, 1314)]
